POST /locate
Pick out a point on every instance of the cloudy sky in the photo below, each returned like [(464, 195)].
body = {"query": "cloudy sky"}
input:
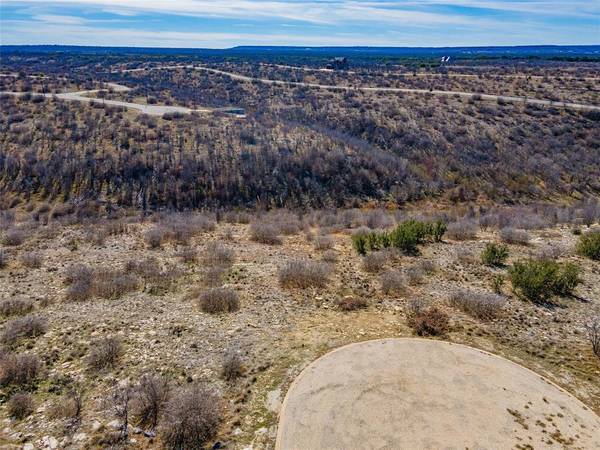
[(218, 24)]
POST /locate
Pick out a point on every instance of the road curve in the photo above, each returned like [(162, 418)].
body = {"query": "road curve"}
[(81, 96), (428, 394), (491, 97)]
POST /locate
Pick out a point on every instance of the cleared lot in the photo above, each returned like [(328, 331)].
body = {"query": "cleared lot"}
[(425, 394)]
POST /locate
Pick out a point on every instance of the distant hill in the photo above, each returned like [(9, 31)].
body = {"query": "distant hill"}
[(541, 51)]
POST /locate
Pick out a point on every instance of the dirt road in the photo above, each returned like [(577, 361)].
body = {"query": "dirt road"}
[(83, 96), (492, 97)]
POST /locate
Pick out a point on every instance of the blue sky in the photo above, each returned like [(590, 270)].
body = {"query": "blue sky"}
[(220, 24)]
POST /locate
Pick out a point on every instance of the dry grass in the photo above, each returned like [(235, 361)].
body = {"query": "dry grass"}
[(233, 365), (350, 303), (218, 254), (31, 260), (104, 353), (482, 305), (393, 282), (13, 237), (324, 242), (514, 236), (16, 306), (375, 261), (219, 300), (265, 233), (462, 230), (19, 369), (25, 327), (304, 274)]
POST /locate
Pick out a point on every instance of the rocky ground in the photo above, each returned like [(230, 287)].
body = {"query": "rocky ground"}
[(277, 330)]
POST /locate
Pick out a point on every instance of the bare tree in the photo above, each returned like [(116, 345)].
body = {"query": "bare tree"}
[(119, 402), (593, 331)]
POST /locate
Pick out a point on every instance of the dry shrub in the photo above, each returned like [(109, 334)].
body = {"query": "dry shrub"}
[(154, 237), (188, 255), (13, 237), (219, 300), (233, 365), (29, 326), (180, 228), (393, 281), (20, 369), (265, 233), (414, 307), (213, 276), (3, 259), (593, 333), (68, 406), (20, 405), (192, 417), (218, 254), (237, 217), (462, 230), (286, 222), (149, 398), (15, 306), (104, 353), (375, 261), (330, 256), (514, 236), (303, 274), (430, 322), (351, 303), (466, 256), (481, 305), (324, 242), (112, 284), (80, 291), (78, 274), (31, 260), (414, 274), (116, 227)]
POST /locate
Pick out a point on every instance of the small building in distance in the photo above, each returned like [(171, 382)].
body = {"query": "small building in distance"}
[(338, 63)]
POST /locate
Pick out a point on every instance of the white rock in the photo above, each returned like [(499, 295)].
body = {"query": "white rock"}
[(79, 437), (114, 424), (28, 446), (262, 430), (96, 425), (50, 442)]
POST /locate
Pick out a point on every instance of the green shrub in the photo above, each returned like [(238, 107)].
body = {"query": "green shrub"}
[(539, 280), (494, 255), (589, 245), (405, 237)]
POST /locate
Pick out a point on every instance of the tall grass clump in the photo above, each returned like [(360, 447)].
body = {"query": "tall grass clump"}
[(589, 245), (494, 255)]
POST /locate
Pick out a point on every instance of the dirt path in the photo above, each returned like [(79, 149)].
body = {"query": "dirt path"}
[(492, 97), (427, 394), (82, 96), (506, 98)]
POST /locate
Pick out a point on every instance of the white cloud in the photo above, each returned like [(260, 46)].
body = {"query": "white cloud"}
[(57, 19)]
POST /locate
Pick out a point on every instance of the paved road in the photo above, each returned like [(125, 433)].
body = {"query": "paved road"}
[(426, 394), (83, 96)]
